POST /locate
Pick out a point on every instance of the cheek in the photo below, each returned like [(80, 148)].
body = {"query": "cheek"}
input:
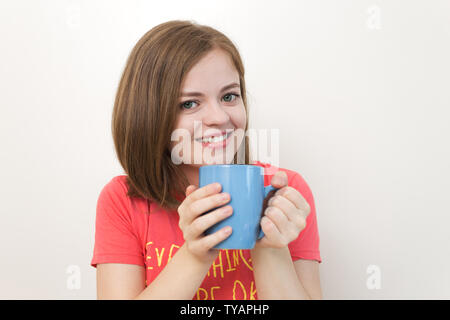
[(238, 117), (183, 132)]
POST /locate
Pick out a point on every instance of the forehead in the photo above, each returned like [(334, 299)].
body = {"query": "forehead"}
[(211, 73)]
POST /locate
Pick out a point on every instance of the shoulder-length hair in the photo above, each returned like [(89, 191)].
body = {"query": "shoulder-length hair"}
[(146, 106)]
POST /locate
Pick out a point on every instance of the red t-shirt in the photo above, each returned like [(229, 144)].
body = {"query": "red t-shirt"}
[(125, 233)]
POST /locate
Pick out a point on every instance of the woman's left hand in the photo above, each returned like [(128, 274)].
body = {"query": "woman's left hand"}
[(285, 215)]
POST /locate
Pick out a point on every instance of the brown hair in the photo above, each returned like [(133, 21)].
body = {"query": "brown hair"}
[(146, 106)]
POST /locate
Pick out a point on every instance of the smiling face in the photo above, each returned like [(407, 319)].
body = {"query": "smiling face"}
[(210, 105)]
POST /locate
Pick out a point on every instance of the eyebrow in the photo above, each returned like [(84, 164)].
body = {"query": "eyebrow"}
[(199, 94)]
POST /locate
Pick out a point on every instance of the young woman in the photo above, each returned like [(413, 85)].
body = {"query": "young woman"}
[(149, 241)]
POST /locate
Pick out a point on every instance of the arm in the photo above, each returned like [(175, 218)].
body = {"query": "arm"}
[(308, 273), (183, 274), (275, 275), (179, 280)]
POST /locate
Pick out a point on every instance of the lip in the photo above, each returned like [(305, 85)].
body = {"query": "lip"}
[(215, 145), (215, 134)]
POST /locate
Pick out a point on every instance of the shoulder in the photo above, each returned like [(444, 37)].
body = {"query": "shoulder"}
[(114, 204), (114, 194), (117, 187), (117, 184)]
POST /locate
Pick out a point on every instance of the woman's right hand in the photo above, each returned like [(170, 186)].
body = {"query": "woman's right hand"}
[(193, 223)]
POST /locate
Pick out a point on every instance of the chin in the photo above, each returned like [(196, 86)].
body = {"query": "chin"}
[(214, 160)]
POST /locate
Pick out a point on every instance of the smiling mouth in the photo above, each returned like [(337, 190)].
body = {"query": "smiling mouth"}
[(215, 139)]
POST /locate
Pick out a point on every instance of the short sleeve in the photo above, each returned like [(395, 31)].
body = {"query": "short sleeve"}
[(306, 246), (115, 239)]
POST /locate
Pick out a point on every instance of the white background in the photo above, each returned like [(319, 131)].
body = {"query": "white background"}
[(360, 91)]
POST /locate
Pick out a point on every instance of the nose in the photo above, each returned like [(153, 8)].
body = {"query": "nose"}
[(215, 115)]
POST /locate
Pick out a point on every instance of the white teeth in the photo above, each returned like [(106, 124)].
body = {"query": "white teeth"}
[(215, 139)]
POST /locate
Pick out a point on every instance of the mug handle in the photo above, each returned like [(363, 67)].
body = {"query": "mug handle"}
[(267, 190)]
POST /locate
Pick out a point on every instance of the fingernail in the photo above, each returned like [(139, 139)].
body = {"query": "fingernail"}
[(226, 210)]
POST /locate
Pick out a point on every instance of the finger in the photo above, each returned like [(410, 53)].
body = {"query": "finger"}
[(294, 215), (208, 242), (202, 192), (279, 179), (295, 197), (279, 219), (191, 197), (285, 205), (190, 189), (272, 236), (202, 223), (201, 206)]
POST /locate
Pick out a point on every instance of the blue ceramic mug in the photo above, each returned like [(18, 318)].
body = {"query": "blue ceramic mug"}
[(248, 198)]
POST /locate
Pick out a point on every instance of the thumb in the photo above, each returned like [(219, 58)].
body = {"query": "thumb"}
[(279, 179)]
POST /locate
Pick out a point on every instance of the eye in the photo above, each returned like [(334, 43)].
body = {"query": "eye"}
[(232, 94), (187, 105), (184, 104)]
